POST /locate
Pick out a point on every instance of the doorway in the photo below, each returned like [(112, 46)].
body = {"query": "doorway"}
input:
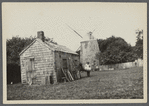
[(65, 64), (30, 71)]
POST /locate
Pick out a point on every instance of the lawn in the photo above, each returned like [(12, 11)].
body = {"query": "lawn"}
[(116, 84)]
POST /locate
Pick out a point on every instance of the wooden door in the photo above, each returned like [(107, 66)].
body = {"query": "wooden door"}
[(65, 64), (30, 71), (27, 68)]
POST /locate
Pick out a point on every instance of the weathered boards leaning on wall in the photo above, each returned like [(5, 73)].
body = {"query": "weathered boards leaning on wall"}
[(42, 62), (88, 53)]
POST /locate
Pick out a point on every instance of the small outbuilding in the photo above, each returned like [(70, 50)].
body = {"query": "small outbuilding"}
[(43, 62)]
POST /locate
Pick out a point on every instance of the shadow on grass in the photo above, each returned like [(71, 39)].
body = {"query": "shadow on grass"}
[(85, 76)]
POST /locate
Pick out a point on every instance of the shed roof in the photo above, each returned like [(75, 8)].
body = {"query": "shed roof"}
[(58, 47), (51, 46)]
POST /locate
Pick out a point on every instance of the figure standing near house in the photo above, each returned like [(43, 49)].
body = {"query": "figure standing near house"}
[(88, 68), (94, 65)]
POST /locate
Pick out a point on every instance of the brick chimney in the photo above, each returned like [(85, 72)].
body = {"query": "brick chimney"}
[(40, 35)]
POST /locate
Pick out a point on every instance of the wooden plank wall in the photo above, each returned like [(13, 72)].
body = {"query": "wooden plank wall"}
[(59, 56)]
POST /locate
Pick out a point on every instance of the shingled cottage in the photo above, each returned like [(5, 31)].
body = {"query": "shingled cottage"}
[(42, 61)]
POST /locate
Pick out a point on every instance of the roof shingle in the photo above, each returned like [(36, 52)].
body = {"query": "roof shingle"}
[(61, 48)]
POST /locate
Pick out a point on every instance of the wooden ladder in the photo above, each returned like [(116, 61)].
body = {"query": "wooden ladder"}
[(65, 75)]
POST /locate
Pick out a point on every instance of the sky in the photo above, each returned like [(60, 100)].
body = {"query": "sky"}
[(105, 19)]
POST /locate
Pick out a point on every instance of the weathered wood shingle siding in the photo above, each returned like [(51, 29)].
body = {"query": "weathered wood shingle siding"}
[(58, 65), (43, 62), (59, 56)]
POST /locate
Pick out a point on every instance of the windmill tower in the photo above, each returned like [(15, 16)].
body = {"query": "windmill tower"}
[(88, 50)]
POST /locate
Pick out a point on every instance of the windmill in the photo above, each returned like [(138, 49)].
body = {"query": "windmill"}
[(89, 50)]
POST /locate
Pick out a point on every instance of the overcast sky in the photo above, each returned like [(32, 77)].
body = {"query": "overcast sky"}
[(120, 20)]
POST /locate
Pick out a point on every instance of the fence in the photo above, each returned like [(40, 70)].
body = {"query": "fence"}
[(136, 63)]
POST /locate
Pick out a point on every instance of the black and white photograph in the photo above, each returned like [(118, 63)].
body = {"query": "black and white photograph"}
[(74, 52)]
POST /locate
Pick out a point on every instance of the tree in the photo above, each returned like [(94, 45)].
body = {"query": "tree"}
[(115, 50), (14, 47), (138, 48)]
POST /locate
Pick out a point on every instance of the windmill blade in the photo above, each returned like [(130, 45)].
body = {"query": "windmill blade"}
[(74, 31), (93, 31)]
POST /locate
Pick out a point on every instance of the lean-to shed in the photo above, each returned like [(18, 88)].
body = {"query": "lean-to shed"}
[(42, 61)]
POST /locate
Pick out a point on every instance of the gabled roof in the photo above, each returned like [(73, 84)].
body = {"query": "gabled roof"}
[(51, 46), (27, 47)]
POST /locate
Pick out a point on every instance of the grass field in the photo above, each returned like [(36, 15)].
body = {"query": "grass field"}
[(116, 84)]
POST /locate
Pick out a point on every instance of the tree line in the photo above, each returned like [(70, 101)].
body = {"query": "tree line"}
[(113, 50), (116, 50)]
